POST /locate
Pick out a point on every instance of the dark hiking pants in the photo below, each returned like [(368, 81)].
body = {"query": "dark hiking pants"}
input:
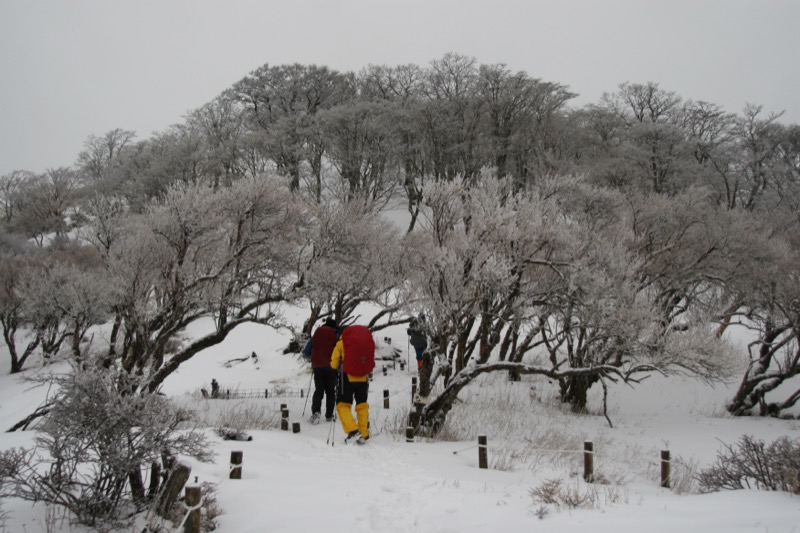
[(324, 385)]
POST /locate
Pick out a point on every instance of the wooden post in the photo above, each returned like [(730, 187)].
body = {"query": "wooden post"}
[(266, 393), (384, 370), (296, 427), (178, 476), (402, 365), (285, 419), (665, 481), (483, 461), (192, 499), (409, 434), (413, 388), (155, 479), (283, 407), (302, 393), (588, 462), (236, 465), (413, 418), (385, 398)]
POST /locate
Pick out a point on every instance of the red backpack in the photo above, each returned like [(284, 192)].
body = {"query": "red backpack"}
[(359, 350)]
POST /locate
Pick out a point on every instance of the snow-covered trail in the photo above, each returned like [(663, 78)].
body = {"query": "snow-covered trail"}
[(289, 480), (294, 482)]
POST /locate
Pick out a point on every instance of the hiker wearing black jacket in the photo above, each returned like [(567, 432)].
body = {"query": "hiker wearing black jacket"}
[(417, 337)]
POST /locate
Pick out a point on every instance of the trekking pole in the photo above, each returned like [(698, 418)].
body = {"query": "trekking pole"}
[(331, 430), (408, 352), (309, 392), (331, 440)]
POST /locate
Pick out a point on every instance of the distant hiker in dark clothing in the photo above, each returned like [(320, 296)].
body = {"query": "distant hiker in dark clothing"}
[(417, 337), (214, 388), (320, 348)]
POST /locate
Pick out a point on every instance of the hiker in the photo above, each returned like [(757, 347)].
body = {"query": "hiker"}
[(319, 349), (214, 388), (355, 350), (417, 337)]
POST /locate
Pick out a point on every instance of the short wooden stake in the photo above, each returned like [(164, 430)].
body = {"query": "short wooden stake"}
[(266, 393), (483, 461), (665, 481), (192, 499), (155, 479), (413, 388), (588, 462), (409, 434), (296, 427), (402, 365), (384, 370), (236, 465), (285, 419), (302, 393), (176, 480), (283, 407), (385, 398)]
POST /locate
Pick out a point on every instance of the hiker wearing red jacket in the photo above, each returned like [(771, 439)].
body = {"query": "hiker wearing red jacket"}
[(355, 350), (321, 347)]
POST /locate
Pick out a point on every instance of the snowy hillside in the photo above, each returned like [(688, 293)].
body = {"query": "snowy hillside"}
[(311, 482)]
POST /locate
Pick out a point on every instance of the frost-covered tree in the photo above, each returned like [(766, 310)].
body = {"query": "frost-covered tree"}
[(544, 281), (277, 102), (766, 301), (94, 448), (483, 254), (526, 116), (653, 152), (63, 301), (100, 154), (10, 186), (362, 140), (43, 202), (48, 298), (221, 126), (353, 256), (227, 253), (744, 159), (12, 314)]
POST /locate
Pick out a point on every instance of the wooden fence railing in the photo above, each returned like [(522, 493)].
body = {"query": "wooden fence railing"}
[(245, 394)]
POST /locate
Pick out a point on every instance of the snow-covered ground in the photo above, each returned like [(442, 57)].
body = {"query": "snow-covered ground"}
[(311, 482)]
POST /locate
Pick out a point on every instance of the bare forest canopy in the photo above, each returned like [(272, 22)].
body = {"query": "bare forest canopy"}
[(588, 244)]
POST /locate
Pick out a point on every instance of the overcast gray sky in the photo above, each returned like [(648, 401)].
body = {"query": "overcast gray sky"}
[(72, 68)]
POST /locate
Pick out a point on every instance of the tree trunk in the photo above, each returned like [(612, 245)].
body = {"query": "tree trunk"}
[(761, 377), (155, 480), (576, 391), (137, 485)]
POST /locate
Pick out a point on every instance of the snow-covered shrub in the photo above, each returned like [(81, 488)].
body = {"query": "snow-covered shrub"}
[(753, 464), (94, 446)]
